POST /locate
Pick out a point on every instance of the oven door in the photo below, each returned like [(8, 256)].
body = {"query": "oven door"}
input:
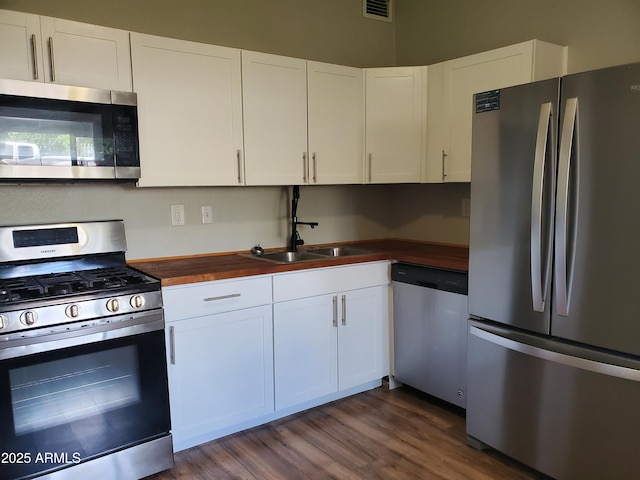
[(72, 397)]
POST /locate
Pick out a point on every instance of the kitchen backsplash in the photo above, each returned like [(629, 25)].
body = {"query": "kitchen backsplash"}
[(244, 216)]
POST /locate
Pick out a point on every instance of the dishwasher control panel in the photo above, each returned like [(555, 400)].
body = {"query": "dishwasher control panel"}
[(439, 279)]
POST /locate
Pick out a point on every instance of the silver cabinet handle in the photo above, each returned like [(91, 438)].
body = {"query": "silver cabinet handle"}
[(563, 275), (51, 60), (335, 310), (239, 160), (370, 167), (221, 297), (315, 167), (444, 157), (344, 310), (304, 167), (172, 346), (540, 279), (34, 54)]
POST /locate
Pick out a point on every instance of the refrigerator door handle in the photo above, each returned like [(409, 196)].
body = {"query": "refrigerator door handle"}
[(562, 271), (540, 279), (604, 368)]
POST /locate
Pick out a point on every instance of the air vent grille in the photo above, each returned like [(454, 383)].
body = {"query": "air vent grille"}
[(377, 9)]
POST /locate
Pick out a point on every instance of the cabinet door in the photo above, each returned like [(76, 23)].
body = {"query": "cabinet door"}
[(437, 131), (190, 112), (20, 46), (305, 350), (86, 55), (393, 124), (361, 317), (274, 92), (336, 123), (463, 78), (220, 371)]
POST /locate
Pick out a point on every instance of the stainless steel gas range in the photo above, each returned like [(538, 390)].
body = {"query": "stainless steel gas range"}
[(83, 377)]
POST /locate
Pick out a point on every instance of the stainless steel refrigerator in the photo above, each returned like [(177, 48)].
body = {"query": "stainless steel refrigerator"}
[(554, 274)]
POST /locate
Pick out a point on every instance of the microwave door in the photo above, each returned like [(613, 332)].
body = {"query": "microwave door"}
[(62, 132)]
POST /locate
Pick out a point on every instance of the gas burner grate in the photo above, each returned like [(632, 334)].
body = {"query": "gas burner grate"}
[(61, 284)]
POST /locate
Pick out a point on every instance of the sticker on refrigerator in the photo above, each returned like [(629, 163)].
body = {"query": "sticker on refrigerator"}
[(488, 101)]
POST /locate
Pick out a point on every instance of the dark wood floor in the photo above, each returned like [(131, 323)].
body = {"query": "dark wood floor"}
[(382, 434)]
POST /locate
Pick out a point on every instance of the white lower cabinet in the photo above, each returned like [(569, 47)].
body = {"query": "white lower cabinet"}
[(331, 342), (220, 371), (220, 365), (247, 351), (305, 353)]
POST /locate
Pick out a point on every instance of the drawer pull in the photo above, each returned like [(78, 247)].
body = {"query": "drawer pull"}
[(222, 297)]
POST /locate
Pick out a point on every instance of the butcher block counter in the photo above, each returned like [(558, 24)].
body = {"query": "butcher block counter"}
[(203, 268)]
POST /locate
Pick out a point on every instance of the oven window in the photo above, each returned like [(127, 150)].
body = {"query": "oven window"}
[(62, 391), (71, 405)]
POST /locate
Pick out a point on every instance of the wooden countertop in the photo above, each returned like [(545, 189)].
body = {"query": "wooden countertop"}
[(218, 266)]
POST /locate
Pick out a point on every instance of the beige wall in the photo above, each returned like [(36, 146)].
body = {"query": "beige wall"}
[(599, 33), (242, 216), (328, 30)]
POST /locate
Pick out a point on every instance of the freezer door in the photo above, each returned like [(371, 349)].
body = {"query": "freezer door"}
[(568, 412), (598, 210), (512, 203)]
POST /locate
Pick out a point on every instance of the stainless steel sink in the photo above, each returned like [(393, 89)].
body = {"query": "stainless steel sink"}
[(309, 254), (339, 251), (288, 257)]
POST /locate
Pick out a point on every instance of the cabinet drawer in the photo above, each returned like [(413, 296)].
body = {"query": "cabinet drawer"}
[(321, 281), (194, 300)]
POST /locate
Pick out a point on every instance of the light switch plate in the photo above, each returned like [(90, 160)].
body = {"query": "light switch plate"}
[(207, 214), (466, 207)]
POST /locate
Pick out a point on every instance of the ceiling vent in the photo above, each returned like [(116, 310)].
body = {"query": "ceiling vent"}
[(377, 9)]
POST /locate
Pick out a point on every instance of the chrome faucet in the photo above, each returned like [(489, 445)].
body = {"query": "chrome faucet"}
[(295, 239)]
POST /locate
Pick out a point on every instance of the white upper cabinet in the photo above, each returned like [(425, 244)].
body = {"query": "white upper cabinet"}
[(190, 112), (275, 119), (394, 128), (20, 47), (450, 89), (53, 50), (86, 55), (336, 123)]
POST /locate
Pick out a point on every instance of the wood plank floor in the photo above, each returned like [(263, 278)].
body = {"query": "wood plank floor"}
[(382, 434)]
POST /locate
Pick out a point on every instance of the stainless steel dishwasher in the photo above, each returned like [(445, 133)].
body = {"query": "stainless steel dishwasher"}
[(430, 330)]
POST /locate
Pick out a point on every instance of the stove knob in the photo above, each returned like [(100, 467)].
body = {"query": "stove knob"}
[(29, 318), (3, 321), (72, 311), (113, 305), (137, 301)]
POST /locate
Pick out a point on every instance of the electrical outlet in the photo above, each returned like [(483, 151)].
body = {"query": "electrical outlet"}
[(207, 214), (466, 207), (177, 215)]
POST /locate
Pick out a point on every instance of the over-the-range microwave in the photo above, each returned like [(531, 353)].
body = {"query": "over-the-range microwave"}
[(59, 132)]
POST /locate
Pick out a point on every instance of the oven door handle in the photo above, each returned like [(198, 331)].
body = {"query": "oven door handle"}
[(81, 333), (172, 345)]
